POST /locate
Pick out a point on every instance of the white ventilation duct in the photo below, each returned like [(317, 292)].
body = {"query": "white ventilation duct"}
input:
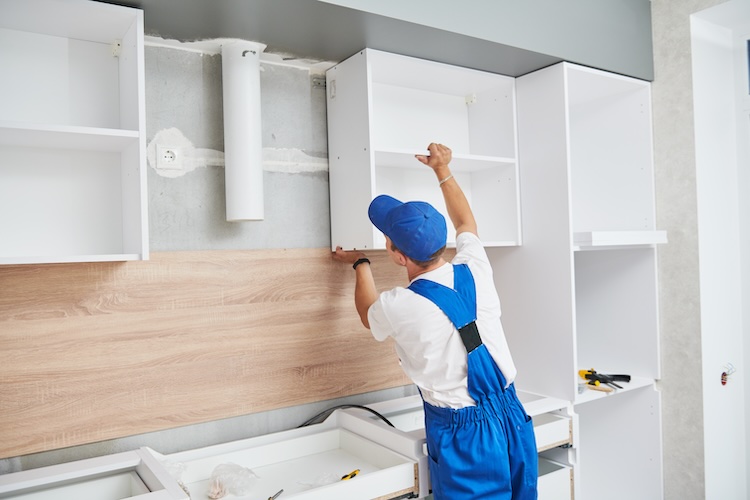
[(243, 148)]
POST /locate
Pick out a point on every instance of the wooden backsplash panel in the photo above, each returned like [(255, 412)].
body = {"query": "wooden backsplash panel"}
[(98, 351)]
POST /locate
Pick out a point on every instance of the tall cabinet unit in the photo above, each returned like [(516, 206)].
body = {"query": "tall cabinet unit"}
[(582, 292), (384, 108), (72, 132)]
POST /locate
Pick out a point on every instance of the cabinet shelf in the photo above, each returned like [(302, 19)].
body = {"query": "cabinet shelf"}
[(587, 395), (604, 240), (67, 137), (460, 162)]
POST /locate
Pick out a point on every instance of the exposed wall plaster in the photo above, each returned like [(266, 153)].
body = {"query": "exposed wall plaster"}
[(213, 47), (290, 161)]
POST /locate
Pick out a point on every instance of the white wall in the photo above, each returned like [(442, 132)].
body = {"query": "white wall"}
[(719, 79)]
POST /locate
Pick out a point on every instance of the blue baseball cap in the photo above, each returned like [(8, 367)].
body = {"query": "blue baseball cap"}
[(415, 227)]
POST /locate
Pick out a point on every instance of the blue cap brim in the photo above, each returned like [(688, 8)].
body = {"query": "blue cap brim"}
[(379, 209)]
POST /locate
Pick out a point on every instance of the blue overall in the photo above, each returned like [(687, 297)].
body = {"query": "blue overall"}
[(487, 450)]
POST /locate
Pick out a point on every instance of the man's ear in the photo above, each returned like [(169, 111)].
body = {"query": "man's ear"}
[(401, 258)]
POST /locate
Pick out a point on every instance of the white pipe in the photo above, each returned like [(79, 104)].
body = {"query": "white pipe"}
[(243, 148)]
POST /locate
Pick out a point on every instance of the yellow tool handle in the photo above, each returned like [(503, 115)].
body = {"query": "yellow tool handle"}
[(598, 387)]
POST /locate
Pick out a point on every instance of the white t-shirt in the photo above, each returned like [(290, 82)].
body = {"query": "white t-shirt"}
[(428, 345)]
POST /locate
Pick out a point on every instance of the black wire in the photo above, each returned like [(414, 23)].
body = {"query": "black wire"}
[(331, 410)]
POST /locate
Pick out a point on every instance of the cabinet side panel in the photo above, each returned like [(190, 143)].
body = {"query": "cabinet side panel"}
[(131, 72), (620, 447), (350, 156), (535, 281)]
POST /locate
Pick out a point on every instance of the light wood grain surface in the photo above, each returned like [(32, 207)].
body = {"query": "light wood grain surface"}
[(104, 350)]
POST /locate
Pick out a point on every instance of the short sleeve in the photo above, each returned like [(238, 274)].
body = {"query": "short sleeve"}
[(380, 325)]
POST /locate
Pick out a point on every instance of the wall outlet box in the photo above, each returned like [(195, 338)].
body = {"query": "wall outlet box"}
[(168, 158)]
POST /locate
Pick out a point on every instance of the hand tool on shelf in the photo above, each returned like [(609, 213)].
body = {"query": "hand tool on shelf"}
[(603, 378)]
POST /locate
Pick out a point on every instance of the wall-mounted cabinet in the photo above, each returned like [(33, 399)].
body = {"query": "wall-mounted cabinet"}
[(384, 108), (72, 132), (582, 291)]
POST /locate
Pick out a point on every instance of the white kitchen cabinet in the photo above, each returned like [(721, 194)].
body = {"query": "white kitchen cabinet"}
[(131, 474), (554, 427), (384, 108), (307, 463), (72, 132), (582, 291)]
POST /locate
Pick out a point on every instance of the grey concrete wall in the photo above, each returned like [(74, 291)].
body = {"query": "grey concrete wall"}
[(184, 110), (676, 206)]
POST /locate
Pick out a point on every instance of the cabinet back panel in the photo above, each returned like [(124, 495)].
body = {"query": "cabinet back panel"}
[(411, 119), (611, 161), (99, 351), (55, 80), (492, 122), (74, 195), (616, 309), (620, 434)]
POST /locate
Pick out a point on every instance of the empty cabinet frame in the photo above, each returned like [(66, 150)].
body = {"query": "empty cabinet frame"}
[(384, 108)]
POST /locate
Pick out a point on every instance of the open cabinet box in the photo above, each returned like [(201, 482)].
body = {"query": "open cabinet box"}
[(132, 474), (72, 132), (307, 463), (385, 108), (582, 293)]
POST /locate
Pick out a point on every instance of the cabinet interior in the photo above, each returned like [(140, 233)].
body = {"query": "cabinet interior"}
[(611, 162), (616, 311), (71, 145)]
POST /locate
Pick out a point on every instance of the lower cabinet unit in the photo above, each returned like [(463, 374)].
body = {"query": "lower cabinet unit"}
[(306, 463), (132, 474), (554, 426)]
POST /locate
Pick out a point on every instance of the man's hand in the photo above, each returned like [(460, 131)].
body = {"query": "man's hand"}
[(439, 158), (347, 256)]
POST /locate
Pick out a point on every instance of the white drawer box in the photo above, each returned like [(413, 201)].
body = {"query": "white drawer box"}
[(300, 461), (555, 481), (551, 431), (133, 474)]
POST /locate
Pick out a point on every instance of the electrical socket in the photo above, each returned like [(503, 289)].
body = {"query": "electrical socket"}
[(168, 158)]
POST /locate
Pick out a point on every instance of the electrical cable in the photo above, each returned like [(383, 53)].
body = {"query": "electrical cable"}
[(332, 409)]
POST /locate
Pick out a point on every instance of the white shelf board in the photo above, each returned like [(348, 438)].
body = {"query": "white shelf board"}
[(602, 240), (66, 137), (47, 259), (635, 383), (401, 158)]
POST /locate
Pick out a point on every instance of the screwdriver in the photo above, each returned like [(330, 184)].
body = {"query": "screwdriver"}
[(276, 495)]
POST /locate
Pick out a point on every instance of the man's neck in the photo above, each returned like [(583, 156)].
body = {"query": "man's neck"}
[(414, 270)]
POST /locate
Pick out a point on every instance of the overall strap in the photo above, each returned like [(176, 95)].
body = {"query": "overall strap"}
[(459, 304)]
